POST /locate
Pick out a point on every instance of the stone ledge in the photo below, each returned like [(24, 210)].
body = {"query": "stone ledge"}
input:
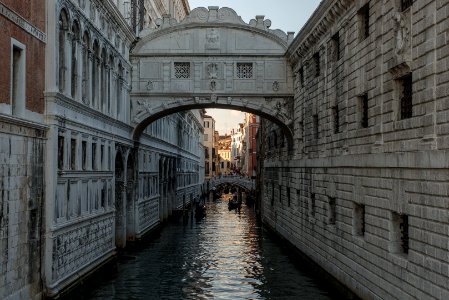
[(438, 159), (18, 122)]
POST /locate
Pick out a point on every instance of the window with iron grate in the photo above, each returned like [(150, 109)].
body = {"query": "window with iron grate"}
[(364, 110), (316, 59), (245, 70), (336, 47), (301, 76), (399, 234), (406, 96), (336, 117), (315, 127), (359, 219), (332, 213), (312, 204), (363, 15), (182, 70), (406, 4), (403, 226), (280, 193)]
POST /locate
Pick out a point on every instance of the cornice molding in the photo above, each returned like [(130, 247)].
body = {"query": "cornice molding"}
[(217, 18), (326, 15), (81, 108)]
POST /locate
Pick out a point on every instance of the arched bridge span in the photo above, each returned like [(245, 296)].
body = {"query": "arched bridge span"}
[(212, 59), (243, 182)]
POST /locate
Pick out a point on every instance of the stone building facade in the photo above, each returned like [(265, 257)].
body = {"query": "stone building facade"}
[(22, 145), (251, 125), (364, 192), (102, 192), (224, 154), (209, 147)]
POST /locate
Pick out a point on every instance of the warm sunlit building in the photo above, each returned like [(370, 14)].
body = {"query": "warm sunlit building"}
[(224, 154)]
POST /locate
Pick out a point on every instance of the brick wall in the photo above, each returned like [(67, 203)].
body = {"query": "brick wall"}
[(33, 12)]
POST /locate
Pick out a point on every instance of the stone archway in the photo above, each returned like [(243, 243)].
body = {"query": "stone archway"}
[(212, 59)]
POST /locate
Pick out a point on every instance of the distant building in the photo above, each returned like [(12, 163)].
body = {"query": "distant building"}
[(252, 123), (224, 154), (156, 9), (236, 148), (209, 149)]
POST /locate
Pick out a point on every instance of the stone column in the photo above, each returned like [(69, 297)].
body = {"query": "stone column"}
[(79, 71), (98, 83), (108, 89), (68, 63), (113, 95)]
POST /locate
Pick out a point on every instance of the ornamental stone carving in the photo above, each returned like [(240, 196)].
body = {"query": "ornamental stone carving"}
[(213, 85), (150, 85), (212, 70), (143, 108), (213, 39), (401, 33)]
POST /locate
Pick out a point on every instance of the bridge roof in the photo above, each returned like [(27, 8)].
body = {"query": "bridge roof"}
[(213, 30)]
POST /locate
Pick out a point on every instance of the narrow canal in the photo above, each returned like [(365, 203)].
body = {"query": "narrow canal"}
[(226, 255)]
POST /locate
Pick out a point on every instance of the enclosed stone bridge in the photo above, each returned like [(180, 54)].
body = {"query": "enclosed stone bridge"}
[(236, 181), (212, 59)]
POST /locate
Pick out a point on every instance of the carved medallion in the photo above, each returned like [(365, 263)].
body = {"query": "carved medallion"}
[(275, 86)]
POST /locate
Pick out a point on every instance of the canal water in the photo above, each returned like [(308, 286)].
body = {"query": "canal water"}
[(225, 255)]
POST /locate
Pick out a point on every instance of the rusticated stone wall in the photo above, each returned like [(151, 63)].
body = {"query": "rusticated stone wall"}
[(365, 193), (21, 208)]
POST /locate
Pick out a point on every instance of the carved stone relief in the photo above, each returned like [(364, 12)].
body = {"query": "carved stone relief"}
[(212, 70), (150, 85), (213, 85), (212, 39), (402, 33)]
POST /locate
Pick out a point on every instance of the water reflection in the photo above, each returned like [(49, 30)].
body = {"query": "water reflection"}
[(223, 256)]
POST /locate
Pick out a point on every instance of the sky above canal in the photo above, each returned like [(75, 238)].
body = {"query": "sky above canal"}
[(287, 15)]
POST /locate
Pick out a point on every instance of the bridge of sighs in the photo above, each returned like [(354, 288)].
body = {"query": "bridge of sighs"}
[(212, 59)]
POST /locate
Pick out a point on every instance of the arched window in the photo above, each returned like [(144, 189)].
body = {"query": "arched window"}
[(119, 88), (109, 82), (74, 75), (85, 82), (103, 94), (63, 27), (95, 67)]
